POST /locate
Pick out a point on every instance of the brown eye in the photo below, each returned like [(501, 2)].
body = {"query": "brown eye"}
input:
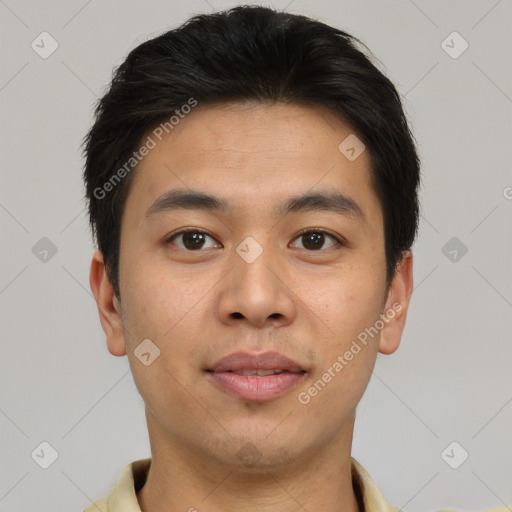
[(191, 240), (314, 240)]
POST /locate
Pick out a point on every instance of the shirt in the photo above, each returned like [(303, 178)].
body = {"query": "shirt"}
[(123, 497)]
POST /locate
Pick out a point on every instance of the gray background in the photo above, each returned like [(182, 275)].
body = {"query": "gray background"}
[(451, 378)]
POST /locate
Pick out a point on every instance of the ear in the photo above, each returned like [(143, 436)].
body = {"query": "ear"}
[(397, 304), (109, 308)]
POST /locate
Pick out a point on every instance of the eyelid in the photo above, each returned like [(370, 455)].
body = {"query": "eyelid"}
[(175, 234), (341, 241), (337, 237)]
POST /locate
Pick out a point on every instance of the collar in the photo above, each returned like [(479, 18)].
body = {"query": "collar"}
[(123, 497)]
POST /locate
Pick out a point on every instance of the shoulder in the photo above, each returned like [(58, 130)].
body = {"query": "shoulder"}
[(98, 506), (497, 509)]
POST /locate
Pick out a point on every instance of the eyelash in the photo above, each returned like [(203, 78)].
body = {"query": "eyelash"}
[(340, 242)]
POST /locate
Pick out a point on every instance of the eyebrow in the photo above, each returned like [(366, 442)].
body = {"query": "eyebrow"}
[(196, 200)]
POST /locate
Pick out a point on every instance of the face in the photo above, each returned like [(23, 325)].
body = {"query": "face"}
[(258, 271)]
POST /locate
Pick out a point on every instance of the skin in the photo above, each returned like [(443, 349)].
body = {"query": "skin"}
[(307, 304)]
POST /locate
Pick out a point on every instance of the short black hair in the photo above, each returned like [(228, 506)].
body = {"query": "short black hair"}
[(255, 54)]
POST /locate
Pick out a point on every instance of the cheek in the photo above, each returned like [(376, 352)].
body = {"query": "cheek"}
[(346, 301), (167, 309), (348, 353), (162, 312), (157, 299)]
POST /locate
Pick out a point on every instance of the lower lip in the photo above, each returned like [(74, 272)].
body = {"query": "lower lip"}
[(256, 388)]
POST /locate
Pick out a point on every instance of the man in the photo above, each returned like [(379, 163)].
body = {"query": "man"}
[(252, 186)]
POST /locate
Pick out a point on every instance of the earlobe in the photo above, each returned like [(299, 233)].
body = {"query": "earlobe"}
[(109, 309), (397, 304)]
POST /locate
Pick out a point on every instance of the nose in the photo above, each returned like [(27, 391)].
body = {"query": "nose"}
[(257, 292)]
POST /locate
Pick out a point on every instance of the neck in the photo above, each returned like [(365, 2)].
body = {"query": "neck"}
[(181, 480)]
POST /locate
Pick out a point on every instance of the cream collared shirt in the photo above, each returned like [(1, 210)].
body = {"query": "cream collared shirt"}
[(123, 497)]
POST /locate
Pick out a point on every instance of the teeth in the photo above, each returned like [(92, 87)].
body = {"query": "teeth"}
[(246, 373), (263, 373), (260, 373)]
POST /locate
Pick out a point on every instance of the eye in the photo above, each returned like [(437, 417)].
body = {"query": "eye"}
[(192, 239), (314, 239)]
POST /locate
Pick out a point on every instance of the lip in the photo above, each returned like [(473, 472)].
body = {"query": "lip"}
[(264, 361), (256, 388)]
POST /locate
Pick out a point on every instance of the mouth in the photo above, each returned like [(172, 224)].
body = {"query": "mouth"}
[(246, 362), (252, 372), (256, 377)]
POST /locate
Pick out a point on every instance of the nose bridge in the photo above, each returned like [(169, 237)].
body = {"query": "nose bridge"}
[(256, 291), (254, 248), (252, 260)]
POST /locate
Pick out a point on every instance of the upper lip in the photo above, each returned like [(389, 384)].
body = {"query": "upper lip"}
[(264, 361)]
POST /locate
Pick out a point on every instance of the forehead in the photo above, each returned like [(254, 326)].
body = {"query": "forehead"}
[(254, 155)]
